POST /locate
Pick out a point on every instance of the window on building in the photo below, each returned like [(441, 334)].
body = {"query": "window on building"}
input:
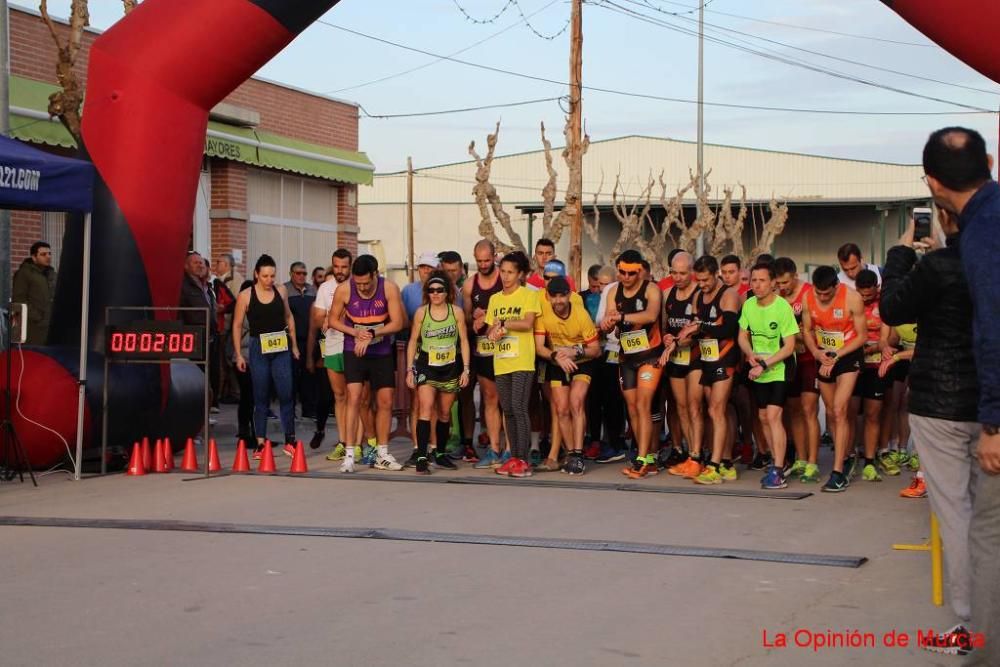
[(53, 228), (292, 219)]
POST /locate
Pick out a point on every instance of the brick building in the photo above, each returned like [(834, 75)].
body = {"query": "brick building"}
[(280, 173)]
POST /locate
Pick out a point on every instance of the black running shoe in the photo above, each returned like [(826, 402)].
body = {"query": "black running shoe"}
[(412, 461), (669, 457), (317, 440), (956, 641), (421, 466), (760, 461), (574, 465), (442, 460), (837, 483)]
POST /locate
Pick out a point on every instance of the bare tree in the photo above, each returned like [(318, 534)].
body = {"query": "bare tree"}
[(771, 229), (66, 103), (488, 200), (130, 5)]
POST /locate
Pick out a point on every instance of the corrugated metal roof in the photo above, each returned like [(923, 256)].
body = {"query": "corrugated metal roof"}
[(519, 178)]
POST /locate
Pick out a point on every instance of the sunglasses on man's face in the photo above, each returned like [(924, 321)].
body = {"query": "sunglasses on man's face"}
[(436, 290), (628, 274)]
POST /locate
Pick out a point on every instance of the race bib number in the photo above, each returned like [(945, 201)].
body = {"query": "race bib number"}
[(830, 340), (507, 347), (322, 347), (681, 356), (374, 341), (441, 355), (613, 356), (709, 349), (272, 343), (634, 341), (485, 347)]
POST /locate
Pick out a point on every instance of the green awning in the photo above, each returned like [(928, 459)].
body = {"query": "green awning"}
[(29, 101)]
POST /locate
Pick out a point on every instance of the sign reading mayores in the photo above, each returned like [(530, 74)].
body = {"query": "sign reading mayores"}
[(17, 178)]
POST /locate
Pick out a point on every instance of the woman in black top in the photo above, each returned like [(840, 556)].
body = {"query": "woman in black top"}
[(272, 346)]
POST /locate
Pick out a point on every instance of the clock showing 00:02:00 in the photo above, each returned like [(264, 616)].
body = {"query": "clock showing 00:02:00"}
[(151, 340)]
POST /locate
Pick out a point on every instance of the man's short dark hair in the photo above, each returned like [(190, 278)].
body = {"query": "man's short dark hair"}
[(647, 267), (866, 279), (764, 258), (38, 245), (364, 265), (764, 266), (450, 257), (343, 253), (296, 265), (629, 257), (545, 242), (848, 250), (956, 156), (593, 271), (824, 277), (731, 259), (706, 264), (784, 265)]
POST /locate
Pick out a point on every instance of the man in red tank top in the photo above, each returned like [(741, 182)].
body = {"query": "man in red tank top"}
[(833, 329)]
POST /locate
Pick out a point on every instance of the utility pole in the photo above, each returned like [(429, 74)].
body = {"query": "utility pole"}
[(5, 231), (700, 244), (409, 215), (575, 138)]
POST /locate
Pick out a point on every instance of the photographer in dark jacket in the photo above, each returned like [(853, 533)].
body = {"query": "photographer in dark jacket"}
[(944, 392)]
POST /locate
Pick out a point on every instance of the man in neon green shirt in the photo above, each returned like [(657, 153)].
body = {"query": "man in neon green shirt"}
[(767, 338)]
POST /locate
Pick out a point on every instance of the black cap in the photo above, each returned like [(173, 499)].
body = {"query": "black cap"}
[(558, 285)]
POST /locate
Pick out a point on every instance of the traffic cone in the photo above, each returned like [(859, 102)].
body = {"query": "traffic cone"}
[(299, 460), (190, 461), (147, 454), (168, 456), (267, 459), (241, 463), (135, 467), (159, 465), (214, 465)]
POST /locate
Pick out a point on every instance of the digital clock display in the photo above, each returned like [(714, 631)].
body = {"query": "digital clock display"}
[(153, 340)]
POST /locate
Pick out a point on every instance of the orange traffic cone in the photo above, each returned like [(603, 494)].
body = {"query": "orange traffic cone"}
[(135, 466), (159, 465), (299, 460), (190, 461), (147, 454), (214, 465), (168, 456), (241, 463), (267, 459)]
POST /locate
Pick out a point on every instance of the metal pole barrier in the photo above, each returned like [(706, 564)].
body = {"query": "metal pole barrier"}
[(937, 585), (84, 319)]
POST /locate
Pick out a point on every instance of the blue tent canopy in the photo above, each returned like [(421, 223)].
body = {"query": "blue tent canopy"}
[(33, 180)]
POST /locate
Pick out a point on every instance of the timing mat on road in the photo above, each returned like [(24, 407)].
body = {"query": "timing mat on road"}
[(496, 480), (394, 534)]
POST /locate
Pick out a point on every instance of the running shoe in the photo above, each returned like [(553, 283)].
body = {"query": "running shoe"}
[(574, 465), (421, 467), (519, 468), (826, 438), (592, 451), (504, 468), (670, 457), (609, 454), (484, 439), (797, 468), (837, 483), (773, 480), (469, 454), (955, 641), (347, 465), (887, 462), (548, 466), (916, 489), (536, 456), (709, 476), (258, 453), (689, 469), (368, 455), (914, 463), (338, 453), (386, 462), (728, 473), (870, 474), (317, 439), (810, 475), (412, 461), (357, 454), (490, 460), (636, 464), (786, 466), (760, 461), (444, 461), (899, 457), (289, 450), (644, 470), (851, 467)]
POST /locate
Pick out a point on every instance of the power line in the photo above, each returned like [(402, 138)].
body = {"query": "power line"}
[(492, 19), (660, 98), (504, 105), (815, 53), (524, 19), (804, 27), (450, 55), (625, 11)]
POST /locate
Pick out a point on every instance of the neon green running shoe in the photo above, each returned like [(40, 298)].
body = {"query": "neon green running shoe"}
[(728, 473), (338, 453), (810, 475), (900, 457), (709, 476), (797, 469), (914, 462), (870, 474), (887, 462)]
